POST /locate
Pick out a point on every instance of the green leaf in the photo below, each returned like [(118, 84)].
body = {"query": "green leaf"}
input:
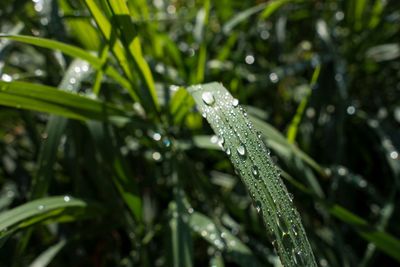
[(50, 100), (382, 240), (181, 239), (131, 42), (48, 255), (40, 210), (72, 51), (250, 157), (221, 238)]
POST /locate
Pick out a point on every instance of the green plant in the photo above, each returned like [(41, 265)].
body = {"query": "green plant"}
[(125, 171)]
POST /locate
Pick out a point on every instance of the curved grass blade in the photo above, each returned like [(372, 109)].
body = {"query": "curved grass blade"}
[(40, 210), (48, 99), (73, 51), (223, 240), (48, 255), (131, 42), (250, 157)]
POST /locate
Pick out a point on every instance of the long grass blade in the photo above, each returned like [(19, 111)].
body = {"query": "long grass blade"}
[(250, 157)]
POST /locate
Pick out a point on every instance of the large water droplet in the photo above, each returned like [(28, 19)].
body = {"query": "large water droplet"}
[(208, 98), (282, 225), (298, 257), (241, 150), (235, 102)]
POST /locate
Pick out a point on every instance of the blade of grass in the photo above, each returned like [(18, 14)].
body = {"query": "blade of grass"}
[(48, 255), (221, 238), (250, 157), (48, 99), (131, 42), (39, 210), (294, 125), (72, 51)]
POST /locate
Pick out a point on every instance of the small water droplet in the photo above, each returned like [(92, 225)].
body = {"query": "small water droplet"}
[(228, 151), (221, 141), (214, 139), (204, 114), (235, 102), (394, 154), (273, 77), (241, 150), (156, 156), (67, 198), (208, 98), (156, 137), (249, 59), (40, 207), (190, 210), (287, 243), (255, 172)]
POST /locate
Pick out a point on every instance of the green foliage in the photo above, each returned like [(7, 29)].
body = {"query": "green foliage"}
[(107, 157)]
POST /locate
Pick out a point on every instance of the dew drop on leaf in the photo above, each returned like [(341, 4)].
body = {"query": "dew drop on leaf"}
[(208, 98), (241, 150), (254, 170), (235, 102)]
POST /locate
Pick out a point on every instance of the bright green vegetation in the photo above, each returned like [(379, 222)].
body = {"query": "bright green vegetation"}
[(199, 133)]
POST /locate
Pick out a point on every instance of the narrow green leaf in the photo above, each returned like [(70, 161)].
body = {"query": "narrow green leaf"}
[(273, 6), (50, 100), (38, 210), (182, 247), (72, 51), (121, 176), (250, 157), (131, 42), (241, 16), (381, 240), (48, 255), (221, 238)]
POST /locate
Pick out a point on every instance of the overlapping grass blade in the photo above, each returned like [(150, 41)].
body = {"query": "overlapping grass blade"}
[(50, 100), (250, 157), (48, 255), (224, 241), (60, 208), (181, 239), (72, 51), (131, 42)]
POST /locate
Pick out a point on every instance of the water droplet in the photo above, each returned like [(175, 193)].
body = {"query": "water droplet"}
[(287, 243), (214, 139), (394, 155), (241, 150), (297, 257), (156, 137), (255, 172), (228, 151), (281, 224), (156, 156), (67, 198), (208, 98), (235, 102), (72, 80), (249, 59), (204, 114), (273, 77), (7, 78), (40, 207), (204, 233), (190, 210), (351, 110), (221, 141)]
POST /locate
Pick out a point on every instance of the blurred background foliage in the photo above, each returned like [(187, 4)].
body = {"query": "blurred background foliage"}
[(320, 79)]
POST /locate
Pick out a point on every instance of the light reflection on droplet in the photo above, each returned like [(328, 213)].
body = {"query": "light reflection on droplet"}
[(273, 77), (249, 59)]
